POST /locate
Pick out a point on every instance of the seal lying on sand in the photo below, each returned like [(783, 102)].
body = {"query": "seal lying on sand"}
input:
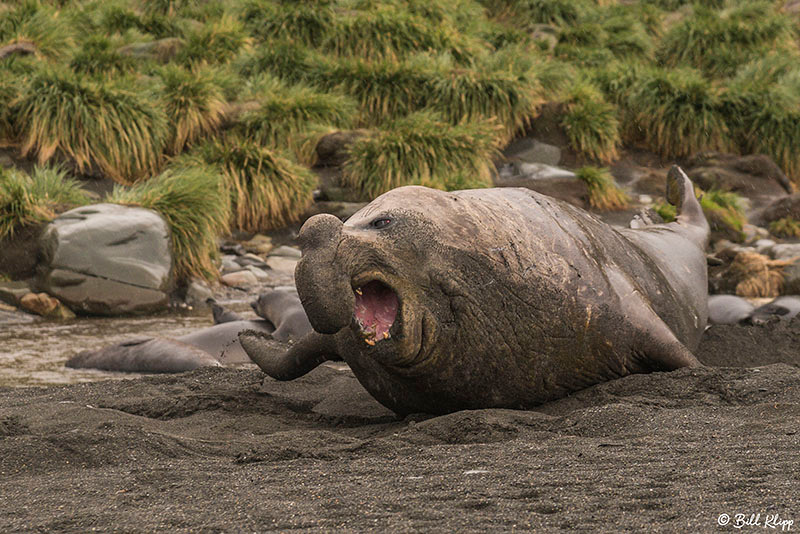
[(494, 298), (212, 346)]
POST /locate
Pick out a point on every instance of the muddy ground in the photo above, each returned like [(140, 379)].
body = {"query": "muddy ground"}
[(226, 450)]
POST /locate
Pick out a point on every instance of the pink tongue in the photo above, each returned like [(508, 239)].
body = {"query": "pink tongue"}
[(376, 309)]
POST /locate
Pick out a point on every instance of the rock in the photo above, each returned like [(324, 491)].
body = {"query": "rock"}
[(752, 233), (12, 292), (282, 265), (259, 244), (46, 306), (764, 246), (197, 292), (230, 265), (791, 273), (788, 206), (243, 278), (286, 252), (546, 179), (251, 259), (260, 275), (527, 150), (107, 259), (755, 177)]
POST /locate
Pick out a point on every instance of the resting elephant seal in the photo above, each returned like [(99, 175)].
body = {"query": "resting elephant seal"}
[(212, 346), (728, 309), (494, 298)]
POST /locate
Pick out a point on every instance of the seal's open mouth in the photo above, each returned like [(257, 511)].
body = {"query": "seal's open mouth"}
[(375, 310)]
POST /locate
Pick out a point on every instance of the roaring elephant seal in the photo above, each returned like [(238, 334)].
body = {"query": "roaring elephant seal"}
[(494, 298)]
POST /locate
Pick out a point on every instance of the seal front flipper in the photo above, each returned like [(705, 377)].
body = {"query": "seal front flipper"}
[(272, 358), (680, 193)]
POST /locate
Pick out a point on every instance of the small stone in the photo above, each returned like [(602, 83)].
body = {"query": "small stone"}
[(46, 306), (197, 292), (286, 252), (242, 278), (259, 244), (764, 246), (785, 251), (259, 273), (251, 259), (230, 265), (12, 292), (282, 264)]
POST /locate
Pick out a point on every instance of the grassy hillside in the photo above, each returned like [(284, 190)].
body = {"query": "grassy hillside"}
[(232, 96)]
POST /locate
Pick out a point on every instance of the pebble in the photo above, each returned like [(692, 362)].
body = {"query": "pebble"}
[(230, 265), (242, 278), (281, 264), (259, 273), (286, 252)]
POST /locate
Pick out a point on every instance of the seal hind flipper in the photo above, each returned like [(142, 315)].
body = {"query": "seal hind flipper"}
[(689, 213), (280, 364)]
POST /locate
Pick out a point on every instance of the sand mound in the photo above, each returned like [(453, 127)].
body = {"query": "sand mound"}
[(227, 450)]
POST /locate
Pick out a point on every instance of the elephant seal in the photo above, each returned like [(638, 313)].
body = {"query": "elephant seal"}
[(221, 314), (728, 309), (785, 307), (212, 346), (494, 298), (282, 307)]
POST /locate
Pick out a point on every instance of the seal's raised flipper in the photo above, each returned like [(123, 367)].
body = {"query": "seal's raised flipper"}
[(280, 364), (680, 193)]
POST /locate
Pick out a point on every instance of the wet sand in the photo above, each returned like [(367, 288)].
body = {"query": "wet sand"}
[(226, 450)]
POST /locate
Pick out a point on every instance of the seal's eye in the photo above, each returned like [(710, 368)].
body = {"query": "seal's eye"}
[(381, 222)]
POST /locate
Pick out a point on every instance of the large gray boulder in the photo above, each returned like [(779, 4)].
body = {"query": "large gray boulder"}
[(107, 259)]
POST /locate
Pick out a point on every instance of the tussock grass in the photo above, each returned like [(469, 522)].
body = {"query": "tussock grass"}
[(785, 227), (385, 89), (193, 102), (604, 194), (99, 56), (9, 91), (420, 148), (676, 113), (286, 111), (193, 201), (287, 60), (119, 131), (216, 42), (526, 12), (756, 275), (590, 122), (386, 32), (37, 24), (28, 200), (503, 86), (267, 189), (307, 23), (718, 41)]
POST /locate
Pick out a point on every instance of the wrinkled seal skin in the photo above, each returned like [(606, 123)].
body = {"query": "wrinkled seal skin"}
[(507, 298)]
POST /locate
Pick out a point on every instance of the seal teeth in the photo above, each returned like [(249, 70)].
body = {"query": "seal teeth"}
[(359, 291)]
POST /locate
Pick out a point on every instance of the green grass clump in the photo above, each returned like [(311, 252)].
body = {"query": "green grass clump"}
[(120, 131), (590, 122), (193, 201), (217, 42), (526, 12), (421, 149), (725, 212), (194, 104), (267, 189), (385, 89), (307, 23), (785, 227), (604, 194), (667, 211), (287, 60), (39, 25), (100, 56), (286, 111), (503, 86), (386, 32), (718, 41), (28, 200), (676, 113)]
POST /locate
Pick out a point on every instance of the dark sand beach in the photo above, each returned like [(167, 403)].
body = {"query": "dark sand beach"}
[(228, 450)]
